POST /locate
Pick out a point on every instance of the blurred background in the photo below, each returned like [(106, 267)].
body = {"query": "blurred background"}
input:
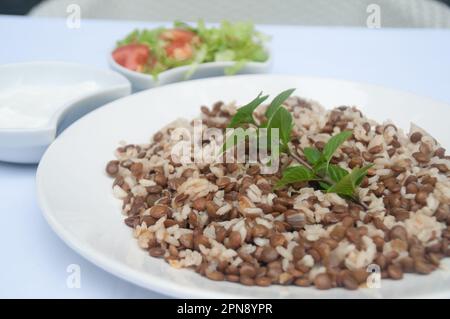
[(394, 13)]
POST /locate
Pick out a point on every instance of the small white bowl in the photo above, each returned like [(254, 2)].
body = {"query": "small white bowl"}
[(26, 145), (141, 81)]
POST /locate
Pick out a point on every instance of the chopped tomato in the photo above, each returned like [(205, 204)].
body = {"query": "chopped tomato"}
[(178, 35), (179, 51), (179, 43), (132, 56)]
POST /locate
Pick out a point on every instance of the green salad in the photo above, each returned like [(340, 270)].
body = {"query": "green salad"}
[(156, 50)]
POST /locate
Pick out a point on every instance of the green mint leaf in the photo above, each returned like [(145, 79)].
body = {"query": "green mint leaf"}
[(324, 185), (245, 114), (347, 185), (312, 155), (293, 174), (282, 120), (336, 173), (361, 173), (230, 141), (266, 139), (333, 144), (237, 136), (235, 68), (277, 102)]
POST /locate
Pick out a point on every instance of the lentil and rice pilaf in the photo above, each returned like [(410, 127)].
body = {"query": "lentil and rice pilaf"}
[(227, 222)]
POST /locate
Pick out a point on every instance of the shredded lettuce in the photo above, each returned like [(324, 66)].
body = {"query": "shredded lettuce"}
[(238, 42), (199, 58), (235, 68)]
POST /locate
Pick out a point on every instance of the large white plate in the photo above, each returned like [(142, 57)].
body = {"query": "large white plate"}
[(75, 194)]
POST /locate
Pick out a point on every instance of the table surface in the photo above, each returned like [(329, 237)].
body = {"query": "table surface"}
[(34, 262)]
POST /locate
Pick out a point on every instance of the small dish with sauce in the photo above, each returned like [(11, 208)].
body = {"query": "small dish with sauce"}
[(38, 100)]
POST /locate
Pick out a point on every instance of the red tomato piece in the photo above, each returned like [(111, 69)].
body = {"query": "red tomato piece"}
[(179, 50), (178, 35), (179, 43), (132, 56)]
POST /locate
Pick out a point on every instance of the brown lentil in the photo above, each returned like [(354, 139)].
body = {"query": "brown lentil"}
[(215, 275), (247, 281), (232, 278), (420, 157), (263, 281), (159, 211), (349, 282), (398, 232), (415, 137), (395, 272), (156, 252), (112, 168), (376, 149), (160, 179), (234, 240), (421, 197), (269, 254), (259, 231), (322, 282), (247, 270), (302, 282), (277, 240)]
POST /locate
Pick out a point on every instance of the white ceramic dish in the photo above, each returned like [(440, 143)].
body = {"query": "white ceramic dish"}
[(26, 145), (79, 206), (141, 81)]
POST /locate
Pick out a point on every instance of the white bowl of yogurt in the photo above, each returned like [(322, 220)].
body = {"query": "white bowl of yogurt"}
[(38, 100)]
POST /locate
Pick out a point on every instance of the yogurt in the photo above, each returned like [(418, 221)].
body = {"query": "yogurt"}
[(33, 106)]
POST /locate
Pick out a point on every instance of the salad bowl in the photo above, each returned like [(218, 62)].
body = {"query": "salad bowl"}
[(141, 81), (159, 56)]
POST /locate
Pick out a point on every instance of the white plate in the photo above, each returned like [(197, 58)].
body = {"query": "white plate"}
[(75, 194), (26, 145), (142, 81)]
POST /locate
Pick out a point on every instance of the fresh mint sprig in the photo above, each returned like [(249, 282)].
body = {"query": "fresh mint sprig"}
[(317, 168), (244, 114), (277, 102), (281, 119), (347, 184), (277, 117), (330, 177)]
